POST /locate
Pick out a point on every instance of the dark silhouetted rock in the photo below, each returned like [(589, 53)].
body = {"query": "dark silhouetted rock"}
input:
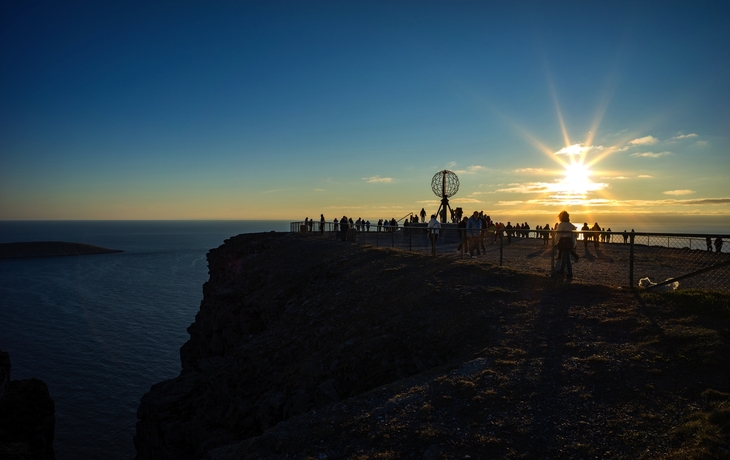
[(27, 417), (50, 249)]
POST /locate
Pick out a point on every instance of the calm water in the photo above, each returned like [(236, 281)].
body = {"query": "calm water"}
[(101, 329)]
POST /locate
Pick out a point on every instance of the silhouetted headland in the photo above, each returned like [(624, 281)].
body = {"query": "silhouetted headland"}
[(309, 347), (50, 249)]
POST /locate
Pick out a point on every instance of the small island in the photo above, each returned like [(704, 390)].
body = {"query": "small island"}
[(50, 249)]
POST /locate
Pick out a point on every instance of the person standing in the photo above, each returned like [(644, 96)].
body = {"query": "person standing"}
[(597, 232), (473, 229), (718, 244), (483, 232), (321, 224), (344, 227), (423, 215), (566, 242), (586, 237), (461, 228), (433, 232)]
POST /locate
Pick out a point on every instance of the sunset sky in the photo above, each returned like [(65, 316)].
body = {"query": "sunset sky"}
[(281, 110)]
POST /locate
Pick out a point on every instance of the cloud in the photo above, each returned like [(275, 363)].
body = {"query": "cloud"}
[(378, 179), (679, 192), (465, 200), (451, 164), (646, 140), (684, 136), (560, 188), (578, 149), (650, 154), (623, 204), (701, 143), (319, 190), (644, 176), (529, 171), (614, 177), (471, 169), (705, 201)]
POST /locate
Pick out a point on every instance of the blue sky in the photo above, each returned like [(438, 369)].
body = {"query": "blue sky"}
[(227, 110)]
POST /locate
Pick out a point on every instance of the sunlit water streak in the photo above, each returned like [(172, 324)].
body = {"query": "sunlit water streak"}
[(101, 329)]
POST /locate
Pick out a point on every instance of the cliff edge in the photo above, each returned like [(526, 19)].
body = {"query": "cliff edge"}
[(306, 347)]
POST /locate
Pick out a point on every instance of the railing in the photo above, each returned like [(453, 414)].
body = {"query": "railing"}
[(611, 258)]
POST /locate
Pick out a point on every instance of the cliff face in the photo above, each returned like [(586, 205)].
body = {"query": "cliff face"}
[(27, 417), (290, 323), (305, 347)]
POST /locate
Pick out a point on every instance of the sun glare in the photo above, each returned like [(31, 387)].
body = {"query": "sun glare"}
[(577, 177), (576, 184)]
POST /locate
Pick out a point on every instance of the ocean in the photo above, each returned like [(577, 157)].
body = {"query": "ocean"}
[(99, 330)]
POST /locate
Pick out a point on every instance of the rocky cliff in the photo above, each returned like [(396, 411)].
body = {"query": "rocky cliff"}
[(305, 347), (27, 417)]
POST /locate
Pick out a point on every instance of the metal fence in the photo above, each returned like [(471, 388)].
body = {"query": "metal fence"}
[(610, 258)]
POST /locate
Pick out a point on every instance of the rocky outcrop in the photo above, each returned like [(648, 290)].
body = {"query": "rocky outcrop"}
[(27, 417)]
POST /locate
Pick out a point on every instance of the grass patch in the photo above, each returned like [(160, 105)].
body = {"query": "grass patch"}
[(705, 433), (693, 302)]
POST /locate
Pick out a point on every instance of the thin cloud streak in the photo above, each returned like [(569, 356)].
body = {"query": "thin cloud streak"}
[(378, 179), (650, 154), (602, 202), (646, 140), (684, 136), (578, 149)]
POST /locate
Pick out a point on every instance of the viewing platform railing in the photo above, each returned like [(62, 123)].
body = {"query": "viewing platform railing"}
[(611, 258)]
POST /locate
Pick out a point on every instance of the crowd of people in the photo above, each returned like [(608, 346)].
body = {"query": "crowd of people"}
[(478, 220), (479, 230)]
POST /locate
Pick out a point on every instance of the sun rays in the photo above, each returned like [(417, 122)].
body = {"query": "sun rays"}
[(573, 185)]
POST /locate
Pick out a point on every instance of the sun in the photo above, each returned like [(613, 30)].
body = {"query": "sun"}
[(577, 178), (575, 185)]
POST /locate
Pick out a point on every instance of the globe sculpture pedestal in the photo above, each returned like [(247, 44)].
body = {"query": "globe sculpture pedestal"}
[(444, 184)]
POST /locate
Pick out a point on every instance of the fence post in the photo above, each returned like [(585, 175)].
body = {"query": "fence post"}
[(500, 248), (551, 245), (392, 237), (377, 238), (631, 260), (410, 240)]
